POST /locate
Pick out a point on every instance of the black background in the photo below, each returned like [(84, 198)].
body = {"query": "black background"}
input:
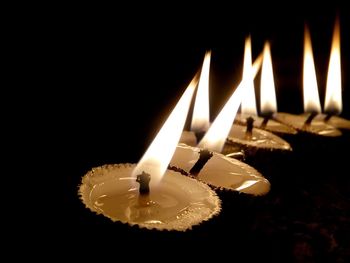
[(107, 80)]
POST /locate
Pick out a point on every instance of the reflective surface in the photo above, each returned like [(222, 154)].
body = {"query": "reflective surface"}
[(176, 203), (335, 121), (221, 171), (260, 138)]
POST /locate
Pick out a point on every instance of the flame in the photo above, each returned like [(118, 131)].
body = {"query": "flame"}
[(310, 90), (215, 137), (200, 119), (333, 99), (248, 100), (158, 155), (267, 87)]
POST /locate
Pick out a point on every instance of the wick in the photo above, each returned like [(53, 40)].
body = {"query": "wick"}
[(328, 116), (249, 131), (143, 179), (265, 121), (310, 118), (199, 135), (204, 156)]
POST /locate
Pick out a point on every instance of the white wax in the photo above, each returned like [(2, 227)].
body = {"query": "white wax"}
[(334, 121), (221, 171), (260, 138)]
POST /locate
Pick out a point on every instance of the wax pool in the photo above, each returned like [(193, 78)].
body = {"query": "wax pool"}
[(176, 203), (221, 171)]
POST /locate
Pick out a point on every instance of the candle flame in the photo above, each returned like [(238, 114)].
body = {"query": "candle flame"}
[(200, 118), (333, 99), (310, 89), (268, 101), (248, 100), (158, 155), (215, 137)]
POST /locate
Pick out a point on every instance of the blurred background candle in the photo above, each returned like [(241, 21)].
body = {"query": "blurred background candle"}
[(246, 136), (333, 103), (268, 101), (211, 166), (218, 170), (312, 107)]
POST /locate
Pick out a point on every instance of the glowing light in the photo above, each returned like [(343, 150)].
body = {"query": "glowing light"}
[(333, 98), (215, 137), (158, 155), (268, 101), (310, 90), (248, 100), (200, 117)]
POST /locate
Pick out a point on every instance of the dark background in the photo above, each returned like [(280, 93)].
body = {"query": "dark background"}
[(107, 80), (129, 76)]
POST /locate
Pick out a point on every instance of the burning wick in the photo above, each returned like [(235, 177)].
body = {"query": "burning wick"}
[(249, 131), (199, 135), (310, 118), (267, 117), (329, 115), (204, 156), (143, 179)]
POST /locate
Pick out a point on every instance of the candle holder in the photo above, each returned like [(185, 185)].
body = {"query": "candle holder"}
[(220, 171), (176, 203)]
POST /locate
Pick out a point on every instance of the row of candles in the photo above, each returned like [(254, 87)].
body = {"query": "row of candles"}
[(154, 193)]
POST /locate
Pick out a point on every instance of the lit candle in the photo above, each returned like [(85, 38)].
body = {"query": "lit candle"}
[(246, 136), (268, 101), (147, 194), (216, 135), (205, 161), (200, 121), (333, 100), (312, 107), (221, 171)]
